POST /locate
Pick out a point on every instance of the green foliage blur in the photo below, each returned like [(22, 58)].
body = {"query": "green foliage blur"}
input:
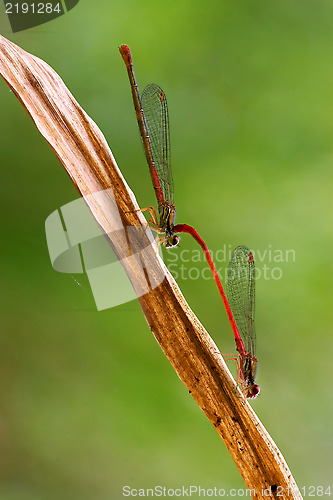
[(89, 403)]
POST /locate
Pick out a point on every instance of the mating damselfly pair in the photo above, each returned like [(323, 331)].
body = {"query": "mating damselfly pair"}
[(153, 119)]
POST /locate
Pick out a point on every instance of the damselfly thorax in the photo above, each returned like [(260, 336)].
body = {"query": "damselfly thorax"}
[(248, 367), (165, 226), (167, 213)]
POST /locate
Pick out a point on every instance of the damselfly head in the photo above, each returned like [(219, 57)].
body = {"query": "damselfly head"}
[(253, 391), (172, 241)]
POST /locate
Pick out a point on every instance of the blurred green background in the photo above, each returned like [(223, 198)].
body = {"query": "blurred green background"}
[(88, 401)]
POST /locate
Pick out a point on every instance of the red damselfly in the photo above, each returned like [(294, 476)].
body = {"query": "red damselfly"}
[(152, 115), (241, 295)]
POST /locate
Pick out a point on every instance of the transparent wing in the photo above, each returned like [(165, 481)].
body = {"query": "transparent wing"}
[(155, 109), (241, 294)]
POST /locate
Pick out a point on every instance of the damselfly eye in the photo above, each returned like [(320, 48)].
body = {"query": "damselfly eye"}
[(172, 241), (175, 240), (253, 391)]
